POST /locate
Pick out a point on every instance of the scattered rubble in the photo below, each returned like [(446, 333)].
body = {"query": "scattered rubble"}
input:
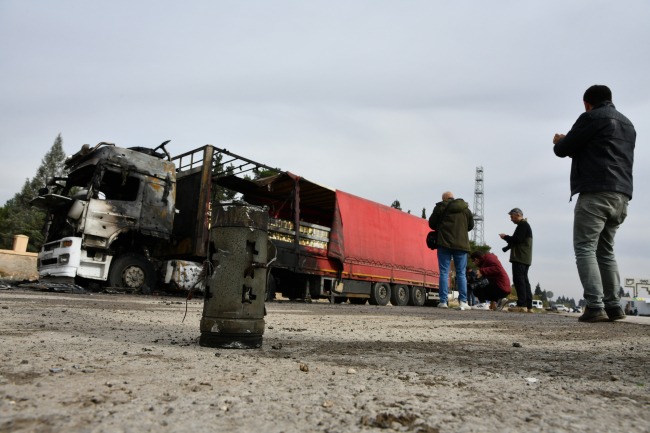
[(414, 369)]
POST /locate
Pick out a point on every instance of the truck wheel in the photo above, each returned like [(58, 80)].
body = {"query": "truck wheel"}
[(380, 294), (358, 301), (132, 271), (417, 296), (399, 295)]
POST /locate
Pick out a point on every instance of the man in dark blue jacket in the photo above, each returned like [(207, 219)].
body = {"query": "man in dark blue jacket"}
[(601, 143)]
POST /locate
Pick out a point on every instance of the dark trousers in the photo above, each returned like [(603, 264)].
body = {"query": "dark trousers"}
[(520, 278), (491, 292)]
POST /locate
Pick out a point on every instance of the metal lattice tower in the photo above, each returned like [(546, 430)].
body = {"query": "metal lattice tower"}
[(477, 233)]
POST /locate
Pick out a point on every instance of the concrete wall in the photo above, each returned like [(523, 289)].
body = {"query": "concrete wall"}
[(17, 264)]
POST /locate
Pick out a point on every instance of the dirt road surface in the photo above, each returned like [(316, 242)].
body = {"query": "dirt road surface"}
[(118, 363)]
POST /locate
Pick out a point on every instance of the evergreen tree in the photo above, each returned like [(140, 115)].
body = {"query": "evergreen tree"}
[(219, 193), (408, 211), (424, 213), (396, 205), (18, 217), (538, 290), (582, 303)]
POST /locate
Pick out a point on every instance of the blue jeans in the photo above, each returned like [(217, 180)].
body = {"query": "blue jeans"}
[(444, 262), (597, 216), (471, 299)]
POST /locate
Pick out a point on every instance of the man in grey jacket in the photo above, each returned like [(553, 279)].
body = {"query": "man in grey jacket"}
[(601, 143)]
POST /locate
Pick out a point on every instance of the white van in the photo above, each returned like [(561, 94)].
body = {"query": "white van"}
[(537, 304)]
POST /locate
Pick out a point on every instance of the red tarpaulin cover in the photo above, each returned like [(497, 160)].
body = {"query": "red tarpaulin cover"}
[(380, 235)]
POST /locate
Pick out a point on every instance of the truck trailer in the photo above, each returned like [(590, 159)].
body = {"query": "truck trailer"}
[(137, 218)]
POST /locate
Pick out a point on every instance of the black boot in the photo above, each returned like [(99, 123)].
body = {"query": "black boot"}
[(593, 315), (615, 313)]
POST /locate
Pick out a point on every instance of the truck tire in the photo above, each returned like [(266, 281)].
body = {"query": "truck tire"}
[(380, 294), (132, 271), (399, 295), (358, 301), (417, 296)]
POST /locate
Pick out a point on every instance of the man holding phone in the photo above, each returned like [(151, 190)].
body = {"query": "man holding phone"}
[(520, 245)]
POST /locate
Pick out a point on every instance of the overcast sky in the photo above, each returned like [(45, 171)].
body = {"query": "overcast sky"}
[(382, 99)]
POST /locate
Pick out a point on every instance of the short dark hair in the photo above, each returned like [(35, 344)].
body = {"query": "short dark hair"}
[(476, 255), (597, 94)]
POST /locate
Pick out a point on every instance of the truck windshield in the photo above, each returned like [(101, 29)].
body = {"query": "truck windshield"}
[(112, 189), (112, 186)]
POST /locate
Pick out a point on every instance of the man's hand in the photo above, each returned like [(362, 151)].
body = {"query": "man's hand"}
[(558, 137), (503, 235), (479, 274)]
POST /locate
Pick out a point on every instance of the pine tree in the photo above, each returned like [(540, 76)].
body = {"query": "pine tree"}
[(396, 205), (424, 213), (538, 290), (18, 217)]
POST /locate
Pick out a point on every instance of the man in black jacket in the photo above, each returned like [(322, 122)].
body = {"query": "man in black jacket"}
[(601, 143), (520, 245)]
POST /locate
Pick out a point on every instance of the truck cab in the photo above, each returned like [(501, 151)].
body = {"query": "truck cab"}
[(115, 208)]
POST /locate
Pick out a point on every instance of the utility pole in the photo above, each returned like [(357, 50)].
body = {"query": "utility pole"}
[(477, 233)]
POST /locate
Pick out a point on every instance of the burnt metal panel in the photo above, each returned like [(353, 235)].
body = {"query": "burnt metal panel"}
[(191, 224)]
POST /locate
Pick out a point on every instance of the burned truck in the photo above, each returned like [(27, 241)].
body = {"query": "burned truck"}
[(117, 215), (125, 216)]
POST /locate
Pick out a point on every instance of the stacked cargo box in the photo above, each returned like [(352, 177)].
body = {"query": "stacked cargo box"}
[(311, 235)]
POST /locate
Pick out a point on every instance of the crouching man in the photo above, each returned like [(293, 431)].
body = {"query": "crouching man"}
[(497, 286)]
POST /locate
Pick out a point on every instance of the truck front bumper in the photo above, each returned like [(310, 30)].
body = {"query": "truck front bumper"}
[(59, 259)]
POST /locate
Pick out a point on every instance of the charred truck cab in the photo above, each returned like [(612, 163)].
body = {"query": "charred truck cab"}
[(114, 213)]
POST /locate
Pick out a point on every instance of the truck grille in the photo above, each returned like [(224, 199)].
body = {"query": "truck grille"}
[(49, 262)]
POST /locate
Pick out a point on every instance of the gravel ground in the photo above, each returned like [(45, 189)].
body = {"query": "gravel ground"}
[(119, 363)]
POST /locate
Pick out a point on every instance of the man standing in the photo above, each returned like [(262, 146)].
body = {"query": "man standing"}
[(520, 245), (601, 143), (498, 287), (453, 241)]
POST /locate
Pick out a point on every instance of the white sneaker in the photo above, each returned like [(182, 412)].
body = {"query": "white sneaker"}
[(462, 306), (441, 305), (482, 306)]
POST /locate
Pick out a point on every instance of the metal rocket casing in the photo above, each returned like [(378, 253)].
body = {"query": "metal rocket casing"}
[(233, 310)]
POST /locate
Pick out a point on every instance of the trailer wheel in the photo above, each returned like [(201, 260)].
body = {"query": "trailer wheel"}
[(417, 296), (132, 271), (358, 301), (399, 295), (380, 294)]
